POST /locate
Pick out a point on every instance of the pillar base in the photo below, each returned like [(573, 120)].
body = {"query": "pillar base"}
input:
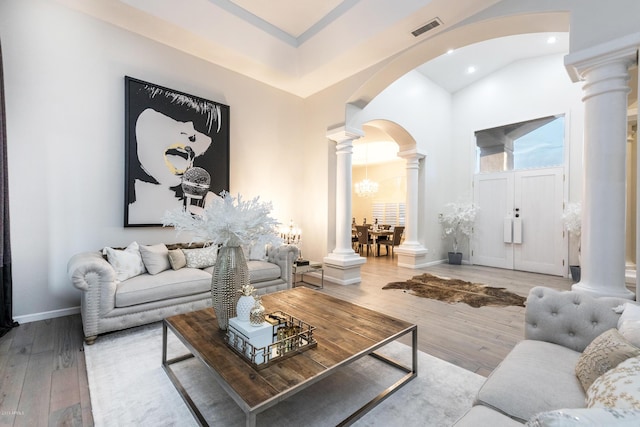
[(412, 255), (343, 269), (599, 291)]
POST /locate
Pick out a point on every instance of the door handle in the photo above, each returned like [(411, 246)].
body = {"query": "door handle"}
[(517, 230), (507, 229)]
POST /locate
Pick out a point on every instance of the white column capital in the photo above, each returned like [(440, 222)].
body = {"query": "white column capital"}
[(623, 50), (411, 155), (344, 133)]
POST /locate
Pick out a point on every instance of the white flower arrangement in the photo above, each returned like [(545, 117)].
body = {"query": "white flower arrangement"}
[(572, 218), (458, 221), (228, 221)]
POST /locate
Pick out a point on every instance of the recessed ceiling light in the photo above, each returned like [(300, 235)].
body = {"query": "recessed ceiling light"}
[(471, 70), (552, 39)]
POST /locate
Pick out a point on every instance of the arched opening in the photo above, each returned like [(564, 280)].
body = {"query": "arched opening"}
[(362, 112)]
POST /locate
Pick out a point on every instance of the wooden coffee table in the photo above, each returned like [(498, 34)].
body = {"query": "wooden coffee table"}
[(345, 333)]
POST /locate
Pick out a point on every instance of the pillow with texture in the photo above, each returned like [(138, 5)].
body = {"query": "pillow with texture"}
[(201, 258), (630, 329), (630, 312), (127, 263), (588, 417), (155, 258), (177, 259), (617, 388), (604, 353)]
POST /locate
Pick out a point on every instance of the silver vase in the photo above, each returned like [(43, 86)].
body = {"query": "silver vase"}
[(230, 274)]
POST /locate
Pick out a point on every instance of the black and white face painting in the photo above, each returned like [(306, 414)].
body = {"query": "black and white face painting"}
[(168, 147), (169, 132)]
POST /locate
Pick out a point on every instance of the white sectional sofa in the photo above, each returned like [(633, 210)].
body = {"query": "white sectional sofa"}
[(111, 301), (566, 334)]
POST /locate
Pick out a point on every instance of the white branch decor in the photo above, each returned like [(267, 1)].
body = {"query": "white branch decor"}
[(458, 221), (228, 221), (572, 218)]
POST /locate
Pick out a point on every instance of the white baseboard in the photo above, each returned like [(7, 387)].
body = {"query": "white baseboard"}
[(28, 318)]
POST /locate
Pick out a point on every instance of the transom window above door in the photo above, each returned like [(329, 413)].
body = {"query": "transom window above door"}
[(537, 143)]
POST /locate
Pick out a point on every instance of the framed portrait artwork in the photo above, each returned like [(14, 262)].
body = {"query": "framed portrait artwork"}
[(169, 136)]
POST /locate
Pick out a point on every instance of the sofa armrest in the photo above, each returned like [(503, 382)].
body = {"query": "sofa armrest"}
[(284, 256), (568, 318), (96, 278)]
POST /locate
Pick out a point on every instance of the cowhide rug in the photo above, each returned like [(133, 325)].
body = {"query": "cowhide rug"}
[(454, 290)]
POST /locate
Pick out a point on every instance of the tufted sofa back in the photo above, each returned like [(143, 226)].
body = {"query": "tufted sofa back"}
[(568, 318)]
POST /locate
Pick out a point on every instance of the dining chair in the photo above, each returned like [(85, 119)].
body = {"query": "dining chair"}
[(393, 242), (362, 232)]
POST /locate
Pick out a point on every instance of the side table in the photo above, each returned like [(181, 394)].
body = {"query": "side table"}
[(312, 267)]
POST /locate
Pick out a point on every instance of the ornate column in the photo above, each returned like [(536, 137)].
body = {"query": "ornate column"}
[(342, 266), (411, 253), (604, 69)]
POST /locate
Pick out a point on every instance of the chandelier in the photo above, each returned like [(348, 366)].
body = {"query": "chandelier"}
[(366, 187), (290, 235)]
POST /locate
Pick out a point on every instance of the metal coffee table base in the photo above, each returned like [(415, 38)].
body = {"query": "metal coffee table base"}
[(411, 373)]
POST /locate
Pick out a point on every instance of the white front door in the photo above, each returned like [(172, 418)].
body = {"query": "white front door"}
[(519, 221)]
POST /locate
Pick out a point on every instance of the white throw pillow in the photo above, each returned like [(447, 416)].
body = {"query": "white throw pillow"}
[(127, 263), (630, 312), (155, 258), (617, 388), (258, 252), (586, 417), (201, 258), (630, 329)]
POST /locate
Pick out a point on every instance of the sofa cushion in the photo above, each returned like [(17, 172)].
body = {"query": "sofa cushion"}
[(262, 271), (155, 258), (168, 284), (127, 263), (631, 311), (201, 258), (630, 329), (482, 416), (605, 352), (618, 388), (536, 376), (586, 417)]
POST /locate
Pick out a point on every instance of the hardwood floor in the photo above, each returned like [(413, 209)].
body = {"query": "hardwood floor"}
[(476, 339), (43, 379)]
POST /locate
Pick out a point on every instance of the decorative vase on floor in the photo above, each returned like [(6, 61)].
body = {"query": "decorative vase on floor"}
[(575, 272), (455, 258), (230, 274)]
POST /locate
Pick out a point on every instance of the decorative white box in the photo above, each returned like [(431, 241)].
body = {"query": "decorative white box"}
[(258, 336)]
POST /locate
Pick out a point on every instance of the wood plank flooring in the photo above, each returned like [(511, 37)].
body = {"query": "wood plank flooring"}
[(43, 379)]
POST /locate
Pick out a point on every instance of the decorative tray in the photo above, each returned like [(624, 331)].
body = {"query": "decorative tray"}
[(288, 336)]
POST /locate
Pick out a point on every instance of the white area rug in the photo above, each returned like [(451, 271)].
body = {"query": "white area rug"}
[(129, 388)]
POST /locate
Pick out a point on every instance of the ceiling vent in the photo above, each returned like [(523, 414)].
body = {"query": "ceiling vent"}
[(436, 22)]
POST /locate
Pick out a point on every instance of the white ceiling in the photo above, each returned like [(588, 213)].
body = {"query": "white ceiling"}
[(294, 17), (304, 46), (451, 69), (299, 46)]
